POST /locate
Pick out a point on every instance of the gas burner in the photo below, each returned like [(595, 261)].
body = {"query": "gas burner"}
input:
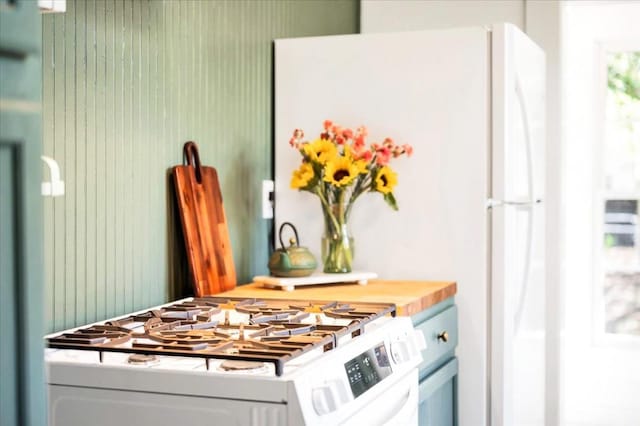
[(232, 329), (233, 365), (142, 359)]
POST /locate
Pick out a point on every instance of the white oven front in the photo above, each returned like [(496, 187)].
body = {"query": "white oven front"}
[(370, 380), (70, 406), (398, 405)]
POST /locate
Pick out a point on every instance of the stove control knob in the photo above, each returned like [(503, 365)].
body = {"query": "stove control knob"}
[(400, 351), (328, 397)]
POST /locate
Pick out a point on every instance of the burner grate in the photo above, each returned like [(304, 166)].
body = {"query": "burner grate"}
[(275, 331)]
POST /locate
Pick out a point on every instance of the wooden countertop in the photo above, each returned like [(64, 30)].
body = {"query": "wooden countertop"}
[(410, 297)]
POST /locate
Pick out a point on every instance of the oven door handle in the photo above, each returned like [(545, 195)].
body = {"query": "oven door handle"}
[(403, 408)]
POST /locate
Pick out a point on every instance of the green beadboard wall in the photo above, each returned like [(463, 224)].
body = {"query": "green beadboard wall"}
[(125, 84)]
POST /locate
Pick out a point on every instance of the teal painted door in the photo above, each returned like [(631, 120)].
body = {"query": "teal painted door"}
[(438, 397), (22, 390)]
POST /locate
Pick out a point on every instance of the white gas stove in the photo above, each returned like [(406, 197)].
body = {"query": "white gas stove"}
[(219, 361)]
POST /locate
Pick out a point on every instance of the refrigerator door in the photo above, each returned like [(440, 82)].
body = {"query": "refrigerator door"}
[(429, 89), (517, 273)]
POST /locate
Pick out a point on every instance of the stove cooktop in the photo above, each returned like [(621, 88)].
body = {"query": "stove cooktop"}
[(243, 332)]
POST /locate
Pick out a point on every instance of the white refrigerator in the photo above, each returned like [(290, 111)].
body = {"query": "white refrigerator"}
[(471, 102)]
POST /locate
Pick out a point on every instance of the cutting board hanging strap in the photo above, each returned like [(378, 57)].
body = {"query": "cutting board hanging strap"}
[(192, 158)]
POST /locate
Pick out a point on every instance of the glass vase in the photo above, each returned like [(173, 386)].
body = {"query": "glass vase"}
[(337, 243)]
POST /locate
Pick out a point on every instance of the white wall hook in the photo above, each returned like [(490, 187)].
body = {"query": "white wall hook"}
[(56, 186), (48, 6)]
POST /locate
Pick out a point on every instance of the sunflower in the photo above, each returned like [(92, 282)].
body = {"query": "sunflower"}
[(360, 163), (320, 150), (340, 171), (386, 179), (302, 177)]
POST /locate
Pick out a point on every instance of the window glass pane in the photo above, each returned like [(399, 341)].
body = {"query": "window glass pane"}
[(622, 129), (621, 255)]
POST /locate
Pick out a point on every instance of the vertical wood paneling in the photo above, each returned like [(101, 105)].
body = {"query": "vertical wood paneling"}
[(59, 96), (100, 114), (90, 181), (111, 139), (68, 143), (48, 104), (79, 158), (126, 83)]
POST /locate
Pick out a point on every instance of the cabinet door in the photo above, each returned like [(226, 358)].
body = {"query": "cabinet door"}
[(22, 396), (438, 404), (441, 336)]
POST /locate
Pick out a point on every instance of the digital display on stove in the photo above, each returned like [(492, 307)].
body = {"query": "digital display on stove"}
[(368, 369)]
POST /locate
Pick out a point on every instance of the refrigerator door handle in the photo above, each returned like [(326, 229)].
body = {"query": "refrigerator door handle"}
[(526, 270), (522, 101), (491, 203)]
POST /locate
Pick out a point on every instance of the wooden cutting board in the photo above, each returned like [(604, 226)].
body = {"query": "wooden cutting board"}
[(204, 225)]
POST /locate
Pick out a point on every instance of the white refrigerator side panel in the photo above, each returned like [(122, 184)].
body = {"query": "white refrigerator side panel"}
[(429, 89), (518, 229)]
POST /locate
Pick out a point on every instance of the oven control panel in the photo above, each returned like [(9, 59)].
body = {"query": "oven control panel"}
[(368, 369), (363, 369)]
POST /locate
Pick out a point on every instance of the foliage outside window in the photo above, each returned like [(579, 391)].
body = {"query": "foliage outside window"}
[(622, 193)]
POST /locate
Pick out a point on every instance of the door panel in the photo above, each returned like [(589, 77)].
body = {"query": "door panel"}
[(517, 372), (8, 384), (438, 404), (22, 396)]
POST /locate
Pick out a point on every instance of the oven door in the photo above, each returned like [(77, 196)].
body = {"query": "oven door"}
[(398, 405), (73, 405)]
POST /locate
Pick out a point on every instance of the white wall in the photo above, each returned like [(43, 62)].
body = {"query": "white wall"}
[(542, 20), (408, 15), (608, 394)]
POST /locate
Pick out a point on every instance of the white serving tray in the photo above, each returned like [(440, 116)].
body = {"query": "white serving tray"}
[(316, 278)]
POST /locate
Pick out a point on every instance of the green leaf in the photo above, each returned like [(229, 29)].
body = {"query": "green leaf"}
[(624, 73), (391, 200)]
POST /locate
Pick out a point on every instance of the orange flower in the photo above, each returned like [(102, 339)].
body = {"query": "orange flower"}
[(383, 155), (296, 139)]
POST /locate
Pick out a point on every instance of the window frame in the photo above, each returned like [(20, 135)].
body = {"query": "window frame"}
[(600, 337)]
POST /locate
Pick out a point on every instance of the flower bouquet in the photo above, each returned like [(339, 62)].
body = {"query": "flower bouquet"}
[(339, 167)]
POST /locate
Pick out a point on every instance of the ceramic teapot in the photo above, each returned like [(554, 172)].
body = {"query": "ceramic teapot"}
[(292, 261)]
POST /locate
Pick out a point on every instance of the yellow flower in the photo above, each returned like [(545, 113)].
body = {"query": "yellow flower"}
[(320, 150), (386, 179), (302, 176), (361, 164), (340, 171)]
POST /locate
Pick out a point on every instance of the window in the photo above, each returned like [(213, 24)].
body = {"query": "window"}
[(620, 207)]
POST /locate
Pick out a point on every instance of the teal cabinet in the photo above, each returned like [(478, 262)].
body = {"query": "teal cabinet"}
[(439, 369), (22, 391)]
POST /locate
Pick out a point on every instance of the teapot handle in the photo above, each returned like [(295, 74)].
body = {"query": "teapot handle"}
[(295, 232)]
